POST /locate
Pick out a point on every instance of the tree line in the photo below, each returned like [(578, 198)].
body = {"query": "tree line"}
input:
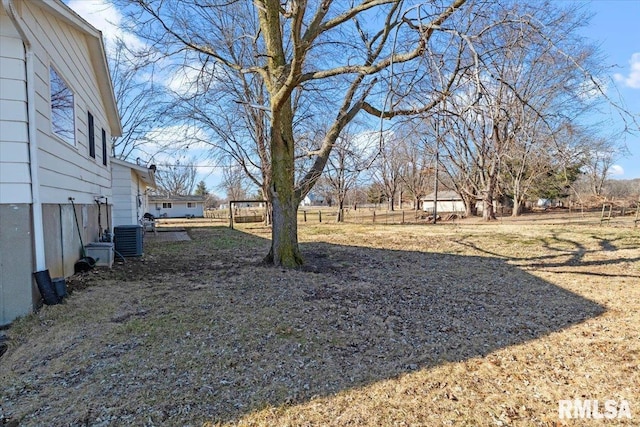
[(294, 93)]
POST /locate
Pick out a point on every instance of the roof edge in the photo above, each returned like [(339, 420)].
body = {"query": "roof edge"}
[(144, 173)]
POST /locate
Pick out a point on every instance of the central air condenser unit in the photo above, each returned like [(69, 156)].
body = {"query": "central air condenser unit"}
[(128, 240)]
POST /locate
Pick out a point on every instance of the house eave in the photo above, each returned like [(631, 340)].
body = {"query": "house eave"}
[(147, 175)]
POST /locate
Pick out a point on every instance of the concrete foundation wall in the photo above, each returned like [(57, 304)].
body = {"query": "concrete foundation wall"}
[(17, 287), (62, 241), (18, 291)]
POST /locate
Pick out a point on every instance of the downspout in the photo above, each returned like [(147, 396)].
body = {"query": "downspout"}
[(38, 229)]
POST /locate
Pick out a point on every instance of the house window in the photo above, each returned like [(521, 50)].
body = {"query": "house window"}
[(166, 205), (62, 111), (191, 205), (104, 147), (92, 136)]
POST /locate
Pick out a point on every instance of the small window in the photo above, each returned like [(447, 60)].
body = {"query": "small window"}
[(104, 147), (191, 205), (92, 136), (62, 108), (166, 205)]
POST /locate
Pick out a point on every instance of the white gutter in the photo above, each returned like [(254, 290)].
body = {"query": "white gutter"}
[(38, 229)]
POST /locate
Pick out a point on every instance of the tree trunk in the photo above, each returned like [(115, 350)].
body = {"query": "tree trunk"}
[(517, 206), (487, 208), (284, 235), (340, 215), (487, 200), (469, 206), (268, 214), (284, 231)]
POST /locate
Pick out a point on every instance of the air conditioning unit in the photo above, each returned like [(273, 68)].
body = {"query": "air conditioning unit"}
[(128, 240)]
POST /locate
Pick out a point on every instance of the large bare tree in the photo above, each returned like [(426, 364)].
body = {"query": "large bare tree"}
[(535, 76), (142, 101), (353, 49)]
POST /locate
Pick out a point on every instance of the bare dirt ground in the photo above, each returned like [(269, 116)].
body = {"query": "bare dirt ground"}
[(463, 324)]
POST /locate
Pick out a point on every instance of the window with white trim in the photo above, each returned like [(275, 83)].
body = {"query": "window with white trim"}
[(167, 205), (62, 108), (191, 205)]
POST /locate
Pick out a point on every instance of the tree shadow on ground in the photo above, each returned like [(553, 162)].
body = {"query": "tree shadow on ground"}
[(562, 252), (356, 315), (232, 335)]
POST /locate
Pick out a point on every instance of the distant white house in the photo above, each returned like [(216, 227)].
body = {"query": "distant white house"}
[(312, 199), (57, 117), (448, 202), (130, 184), (177, 206)]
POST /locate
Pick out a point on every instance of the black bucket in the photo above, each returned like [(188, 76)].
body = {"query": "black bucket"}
[(84, 264), (60, 286), (46, 287)]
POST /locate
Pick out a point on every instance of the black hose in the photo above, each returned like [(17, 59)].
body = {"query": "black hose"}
[(75, 215)]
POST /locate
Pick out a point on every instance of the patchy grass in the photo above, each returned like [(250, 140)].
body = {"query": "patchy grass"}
[(458, 324)]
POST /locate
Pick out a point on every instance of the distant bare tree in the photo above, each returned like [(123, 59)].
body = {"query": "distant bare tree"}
[(349, 158), (416, 168), (386, 171), (234, 182), (178, 179), (599, 156), (628, 189)]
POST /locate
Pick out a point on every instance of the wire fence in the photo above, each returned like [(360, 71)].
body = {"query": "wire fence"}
[(310, 215)]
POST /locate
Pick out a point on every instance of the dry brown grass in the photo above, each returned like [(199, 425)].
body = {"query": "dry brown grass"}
[(461, 324)]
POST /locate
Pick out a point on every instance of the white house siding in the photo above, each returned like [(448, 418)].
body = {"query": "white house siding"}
[(123, 195), (444, 206), (178, 209), (67, 170), (64, 170), (15, 178), (16, 287), (139, 188), (129, 186)]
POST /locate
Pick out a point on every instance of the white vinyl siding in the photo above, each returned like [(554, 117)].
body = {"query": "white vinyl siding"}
[(15, 178), (66, 170), (124, 195), (129, 194), (178, 208)]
